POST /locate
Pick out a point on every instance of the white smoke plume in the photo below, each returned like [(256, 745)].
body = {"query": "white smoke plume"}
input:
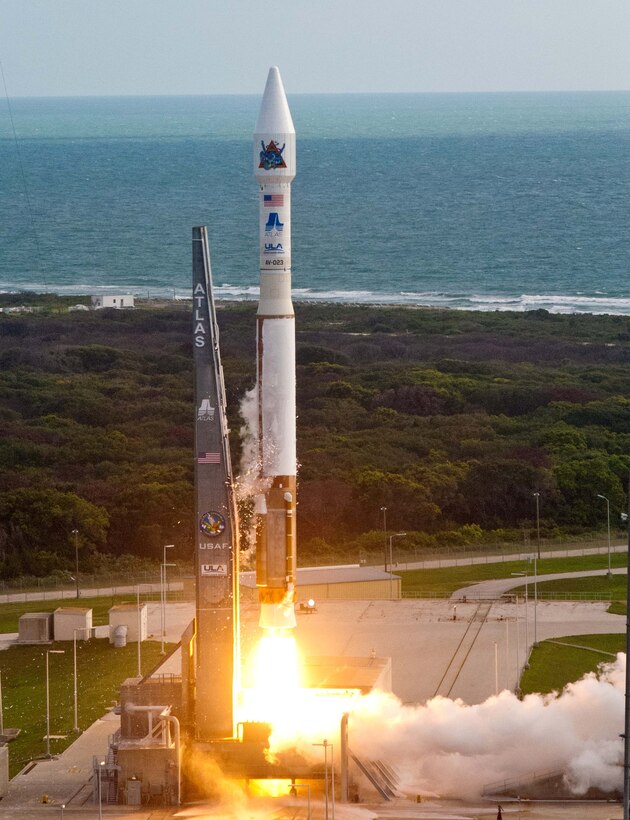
[(452, 749), (250, 463), (248, 482)]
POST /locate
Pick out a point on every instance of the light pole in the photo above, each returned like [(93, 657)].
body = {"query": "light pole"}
[(163, 589), (535, 560), (76, 560), (139, 624), (391, 538), (391, 560), (101, 763), (537, 497), (75, 728), (49, 652), (327, 746), (293, 793), (523, 574), (507, 653), (608, 520), (384, 511), (517, 686)]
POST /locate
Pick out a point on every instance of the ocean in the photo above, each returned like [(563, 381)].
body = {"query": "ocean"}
[(475, 201)]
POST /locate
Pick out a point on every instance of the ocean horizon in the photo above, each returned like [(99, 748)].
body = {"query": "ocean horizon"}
[(494, 201)]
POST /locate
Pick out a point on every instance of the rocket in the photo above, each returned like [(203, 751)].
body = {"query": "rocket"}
[(275, 505)]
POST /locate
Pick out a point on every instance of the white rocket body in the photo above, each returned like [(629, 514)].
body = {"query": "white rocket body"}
[(274, 168)]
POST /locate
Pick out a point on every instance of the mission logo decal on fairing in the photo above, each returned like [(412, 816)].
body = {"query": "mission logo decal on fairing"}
[(271, 156)]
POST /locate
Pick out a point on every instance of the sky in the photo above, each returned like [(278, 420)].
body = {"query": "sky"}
[(154, 47)]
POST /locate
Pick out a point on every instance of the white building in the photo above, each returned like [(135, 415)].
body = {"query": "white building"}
[(130, 616), (111, 300), (71, 620)]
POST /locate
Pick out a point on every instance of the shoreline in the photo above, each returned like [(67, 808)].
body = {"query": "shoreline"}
[(12, 300)]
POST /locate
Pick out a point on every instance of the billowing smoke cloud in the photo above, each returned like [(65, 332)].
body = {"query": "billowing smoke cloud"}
[(452, 749), (250, 466), (249, 482)]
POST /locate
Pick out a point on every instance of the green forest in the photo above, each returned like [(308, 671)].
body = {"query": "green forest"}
[(451, 420)]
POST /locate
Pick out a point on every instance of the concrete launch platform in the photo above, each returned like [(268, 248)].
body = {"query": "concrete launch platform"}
[(419, 635)]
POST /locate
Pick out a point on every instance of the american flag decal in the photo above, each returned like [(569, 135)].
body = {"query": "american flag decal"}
[(209, 458), (273, 200)]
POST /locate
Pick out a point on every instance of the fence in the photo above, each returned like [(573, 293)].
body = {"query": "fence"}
[(180, 577), (100, 586)]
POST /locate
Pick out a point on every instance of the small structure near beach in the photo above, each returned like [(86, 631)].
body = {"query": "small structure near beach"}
[(112, 300)]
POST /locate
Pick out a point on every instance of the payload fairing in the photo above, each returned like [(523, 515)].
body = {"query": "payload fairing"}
[(275, 505)]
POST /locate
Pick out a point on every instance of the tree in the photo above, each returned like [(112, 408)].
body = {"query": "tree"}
[(498, 492), (39, 522)]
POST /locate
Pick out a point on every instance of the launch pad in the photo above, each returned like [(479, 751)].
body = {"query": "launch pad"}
[(181, 734), (159, 752)]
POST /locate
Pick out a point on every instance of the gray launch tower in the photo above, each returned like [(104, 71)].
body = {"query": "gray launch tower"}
[(216, 527)]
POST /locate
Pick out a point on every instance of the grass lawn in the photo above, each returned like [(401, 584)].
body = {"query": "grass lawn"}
[(553, 666), (612, 589), (100, 670), (10, 613), (445, 580)]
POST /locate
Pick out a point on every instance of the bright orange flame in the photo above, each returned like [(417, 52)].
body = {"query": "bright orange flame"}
[(276, 662), (269, 788), (274, 680), (275, 695)]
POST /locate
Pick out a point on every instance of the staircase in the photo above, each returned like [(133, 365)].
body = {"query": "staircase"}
[(380, 774)]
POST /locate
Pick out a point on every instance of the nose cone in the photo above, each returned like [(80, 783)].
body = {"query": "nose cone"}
[(274, 136), (274, 114)]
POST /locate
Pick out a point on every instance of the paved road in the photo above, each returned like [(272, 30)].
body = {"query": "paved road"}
[(495, 588)]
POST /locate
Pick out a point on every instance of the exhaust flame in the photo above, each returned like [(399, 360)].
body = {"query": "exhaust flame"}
[(275, 693), (447, 747)]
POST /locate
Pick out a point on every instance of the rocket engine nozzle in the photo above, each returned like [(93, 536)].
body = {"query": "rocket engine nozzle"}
[(277, 616)]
